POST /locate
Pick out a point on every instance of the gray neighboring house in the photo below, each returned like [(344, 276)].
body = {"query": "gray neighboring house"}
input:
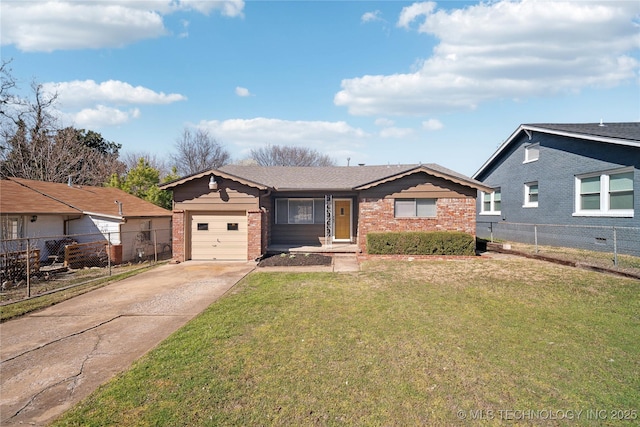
[(579, 184)]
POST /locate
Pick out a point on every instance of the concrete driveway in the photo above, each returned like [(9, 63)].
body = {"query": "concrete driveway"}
[(52, 359)]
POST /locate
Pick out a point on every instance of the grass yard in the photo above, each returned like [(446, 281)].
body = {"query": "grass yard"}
[(509, 341)]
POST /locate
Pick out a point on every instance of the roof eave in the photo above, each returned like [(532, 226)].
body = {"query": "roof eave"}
[(531, 128), (423, 168), (173, 184), (103, 215), (323, 189)]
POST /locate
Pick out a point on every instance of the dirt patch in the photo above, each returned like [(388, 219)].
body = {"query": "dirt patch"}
[(295, 260)]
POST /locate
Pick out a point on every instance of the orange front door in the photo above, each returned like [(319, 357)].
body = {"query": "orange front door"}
[(342, 215)]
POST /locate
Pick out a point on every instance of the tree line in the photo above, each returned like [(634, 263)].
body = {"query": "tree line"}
[(35, 145)]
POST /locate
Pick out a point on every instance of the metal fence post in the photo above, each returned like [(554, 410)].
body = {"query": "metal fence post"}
[(28, 268), (109, 251), (535, 236), (155, 246), (615, 247)]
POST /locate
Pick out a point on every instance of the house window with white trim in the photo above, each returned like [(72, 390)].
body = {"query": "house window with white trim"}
[(491, 203), (531, 195), (415, 208), (300, 211), (531, 153), (605, 194)]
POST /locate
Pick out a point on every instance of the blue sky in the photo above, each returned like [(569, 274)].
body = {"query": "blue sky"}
[(377, 82)]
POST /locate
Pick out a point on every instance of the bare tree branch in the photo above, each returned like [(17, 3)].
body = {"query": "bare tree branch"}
[(34, 146), (198, 151), (287, 155), (131, 161)]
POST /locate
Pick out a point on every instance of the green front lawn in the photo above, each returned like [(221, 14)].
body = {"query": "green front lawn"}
[(400, 343)]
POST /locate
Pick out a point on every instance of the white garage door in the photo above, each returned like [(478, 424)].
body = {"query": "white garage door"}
[(219, 235)]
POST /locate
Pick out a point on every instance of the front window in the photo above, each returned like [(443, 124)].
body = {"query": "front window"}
[(415, 208), (605, 194), (491, 202), (531, 195), (300, 211), (12, 227)]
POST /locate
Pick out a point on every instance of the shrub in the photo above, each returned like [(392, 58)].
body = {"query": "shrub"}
[(421, 243)]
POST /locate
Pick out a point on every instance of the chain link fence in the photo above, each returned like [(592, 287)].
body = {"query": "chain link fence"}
[(35, 266), (617, 246)]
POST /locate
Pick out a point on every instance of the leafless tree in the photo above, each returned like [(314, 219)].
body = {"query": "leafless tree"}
[(7, 85), (131, 160), (287, 155), (198, 151), (34, 146)]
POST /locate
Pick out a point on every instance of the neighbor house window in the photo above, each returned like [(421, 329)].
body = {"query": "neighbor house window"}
[(531, 153), (145, 229), (12, 227), (415, 208), (300, 211), (605, 194), (531, 195), (491, 202)]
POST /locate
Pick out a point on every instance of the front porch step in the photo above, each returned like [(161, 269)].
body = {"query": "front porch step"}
[(336, 248)]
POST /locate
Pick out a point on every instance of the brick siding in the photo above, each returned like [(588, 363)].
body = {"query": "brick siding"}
[(377, 215), (257, 234), (178, 236)]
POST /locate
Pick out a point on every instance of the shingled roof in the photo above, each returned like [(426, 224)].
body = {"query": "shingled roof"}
[(335, 178), (25, 196), (623, 133), (626, 131)]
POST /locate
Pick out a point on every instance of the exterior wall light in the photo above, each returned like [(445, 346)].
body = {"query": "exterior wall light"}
[(213, 185)]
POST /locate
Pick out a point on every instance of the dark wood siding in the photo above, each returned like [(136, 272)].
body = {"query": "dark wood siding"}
[(231, 196), (419, 186), (298, 234)]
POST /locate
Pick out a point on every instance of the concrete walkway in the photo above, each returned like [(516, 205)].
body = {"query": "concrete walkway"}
[(52, 359)]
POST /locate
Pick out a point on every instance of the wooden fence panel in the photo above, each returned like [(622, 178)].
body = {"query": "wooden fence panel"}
[(14, 264), (92, 254)]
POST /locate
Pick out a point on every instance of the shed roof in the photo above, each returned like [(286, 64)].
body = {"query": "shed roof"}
[(30, 196)]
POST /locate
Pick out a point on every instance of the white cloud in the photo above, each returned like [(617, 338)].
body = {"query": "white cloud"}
[(432, 124), (371, 16), (185, 27), (101, 116), (41, 25), (332, 138), (503, 49), (97, 105), (410, 13), (242, 91), (85, 92), (395, 132), (230, 8), (383, 121)]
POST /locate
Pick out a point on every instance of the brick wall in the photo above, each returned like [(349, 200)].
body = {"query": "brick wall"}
[(178, 236), (377, 215), (256, 238)]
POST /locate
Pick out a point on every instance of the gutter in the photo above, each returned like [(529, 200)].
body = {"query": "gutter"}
[(116, 217)]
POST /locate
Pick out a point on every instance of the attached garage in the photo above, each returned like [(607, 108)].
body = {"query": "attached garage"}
[(219, 236)]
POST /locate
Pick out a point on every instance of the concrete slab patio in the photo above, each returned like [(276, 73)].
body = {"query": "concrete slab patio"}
[(52, 359)]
